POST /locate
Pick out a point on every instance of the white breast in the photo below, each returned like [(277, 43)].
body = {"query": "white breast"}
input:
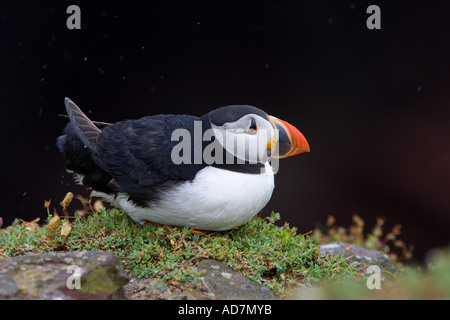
[(216, 200)]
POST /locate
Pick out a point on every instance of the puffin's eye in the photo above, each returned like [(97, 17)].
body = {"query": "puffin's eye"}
[(253, 128)]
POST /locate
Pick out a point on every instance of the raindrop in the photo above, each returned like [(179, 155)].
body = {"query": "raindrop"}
[(85, 59), (44, 66), (40, 111), (419, 88), (352, 6), (24, 194)]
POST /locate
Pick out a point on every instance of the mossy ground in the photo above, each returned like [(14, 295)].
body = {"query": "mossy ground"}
[(273, 255)]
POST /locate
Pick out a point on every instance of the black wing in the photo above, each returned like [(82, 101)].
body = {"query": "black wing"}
[(136, 153)]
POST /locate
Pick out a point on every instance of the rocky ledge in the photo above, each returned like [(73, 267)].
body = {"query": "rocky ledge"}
[(97, 275)]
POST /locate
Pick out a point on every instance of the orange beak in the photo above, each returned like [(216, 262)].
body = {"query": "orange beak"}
[(289, 140)]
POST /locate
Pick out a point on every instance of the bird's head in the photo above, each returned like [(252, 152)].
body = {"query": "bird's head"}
[(252, 135)]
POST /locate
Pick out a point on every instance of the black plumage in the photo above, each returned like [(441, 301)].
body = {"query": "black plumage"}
[(79, 160), (233, 113)]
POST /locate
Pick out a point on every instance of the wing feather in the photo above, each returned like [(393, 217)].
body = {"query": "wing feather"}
[(85, 129)]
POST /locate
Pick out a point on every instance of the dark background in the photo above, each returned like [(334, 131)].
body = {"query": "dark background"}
[(373, 104)]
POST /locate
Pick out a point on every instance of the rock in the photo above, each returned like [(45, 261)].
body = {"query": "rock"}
[(142, 289), (64, 275), (365, 258), (219, 282), (8, 287), (153, 289), (225, 284), (53, 276), (363, 255)]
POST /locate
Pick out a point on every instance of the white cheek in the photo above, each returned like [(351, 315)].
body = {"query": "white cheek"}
[(257, 145), (242, 145), (248, 147), (236, 144)]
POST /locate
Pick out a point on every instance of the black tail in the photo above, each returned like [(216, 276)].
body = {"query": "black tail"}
[(85, 129), (79, 159)]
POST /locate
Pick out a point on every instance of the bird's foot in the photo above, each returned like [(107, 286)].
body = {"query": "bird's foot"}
[(147, 223), (199, 232), (193, 231)]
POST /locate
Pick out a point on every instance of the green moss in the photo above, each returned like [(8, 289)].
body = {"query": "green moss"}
[(101, 280), (276, 256)]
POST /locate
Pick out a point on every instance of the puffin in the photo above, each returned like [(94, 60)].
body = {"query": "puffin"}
[(210, 173)]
